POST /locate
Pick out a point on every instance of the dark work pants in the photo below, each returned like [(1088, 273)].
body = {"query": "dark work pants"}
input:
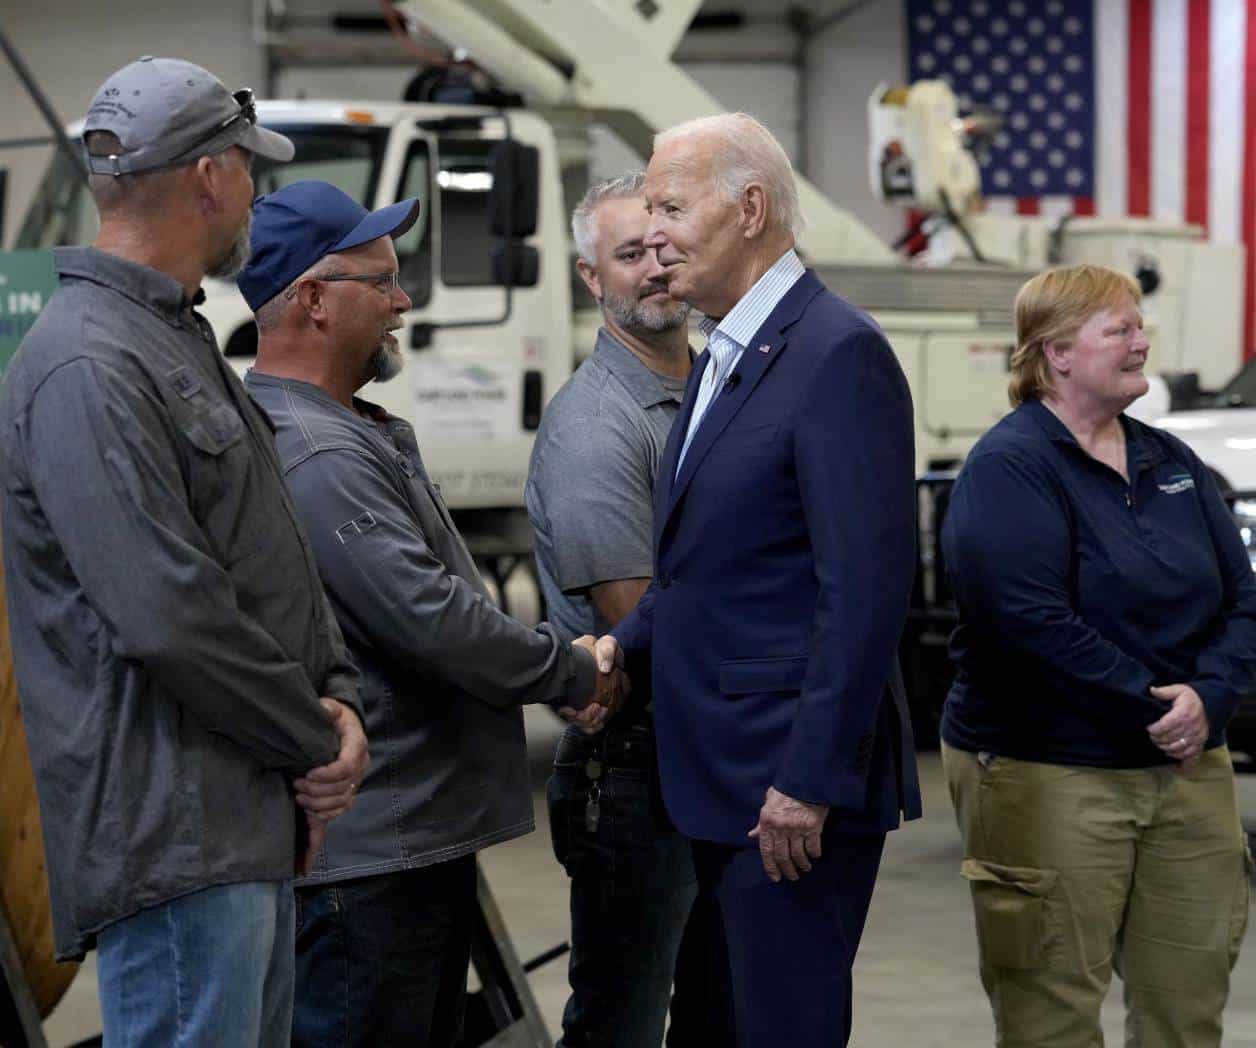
[(383, 960), (632, 884), (782, 953)]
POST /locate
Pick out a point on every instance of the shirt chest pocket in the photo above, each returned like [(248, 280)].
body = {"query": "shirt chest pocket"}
[(749, 441), (748, 434), (217, 456), (425, 496), (213, 430)]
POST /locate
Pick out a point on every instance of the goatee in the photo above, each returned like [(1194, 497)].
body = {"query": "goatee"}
[(386, 362)]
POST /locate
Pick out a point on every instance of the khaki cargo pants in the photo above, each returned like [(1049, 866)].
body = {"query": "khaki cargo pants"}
[(1075, 871)]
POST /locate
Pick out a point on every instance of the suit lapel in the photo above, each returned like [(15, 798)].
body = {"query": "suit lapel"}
[(725, 403), (767, 344), (676, 438)]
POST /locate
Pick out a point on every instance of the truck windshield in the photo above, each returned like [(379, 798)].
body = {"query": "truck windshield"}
[(349, 157)]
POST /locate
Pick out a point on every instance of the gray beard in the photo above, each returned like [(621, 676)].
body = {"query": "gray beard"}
[(386, 363), (641, 318), (237, 257)]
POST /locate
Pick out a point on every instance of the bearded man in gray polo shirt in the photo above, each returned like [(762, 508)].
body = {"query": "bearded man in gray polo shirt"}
[(589, 500)]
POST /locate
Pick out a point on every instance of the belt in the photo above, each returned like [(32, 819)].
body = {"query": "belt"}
[(630, 746)]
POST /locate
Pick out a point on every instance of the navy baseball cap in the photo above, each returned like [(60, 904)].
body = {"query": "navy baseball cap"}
[(302, 222)]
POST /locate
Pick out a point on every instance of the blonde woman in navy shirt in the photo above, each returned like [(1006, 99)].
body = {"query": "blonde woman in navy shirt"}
[(1107, 629)]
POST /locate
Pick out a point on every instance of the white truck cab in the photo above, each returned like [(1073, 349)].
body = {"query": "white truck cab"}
[(482, 358), (1221, 430)]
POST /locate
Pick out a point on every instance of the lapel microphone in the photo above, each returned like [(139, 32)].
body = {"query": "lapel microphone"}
[(730, 383)]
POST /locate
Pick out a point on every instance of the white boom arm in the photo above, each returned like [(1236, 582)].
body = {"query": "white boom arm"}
[(613, 58)]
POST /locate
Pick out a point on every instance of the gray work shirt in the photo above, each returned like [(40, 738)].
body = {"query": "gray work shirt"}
[(170, 634), (444, 672), (591, 480)]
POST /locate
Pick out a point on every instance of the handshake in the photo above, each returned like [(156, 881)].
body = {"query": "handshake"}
[(613, 685)]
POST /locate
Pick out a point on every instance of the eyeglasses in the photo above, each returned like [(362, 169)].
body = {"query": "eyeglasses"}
[(247, 111), (385, 283)]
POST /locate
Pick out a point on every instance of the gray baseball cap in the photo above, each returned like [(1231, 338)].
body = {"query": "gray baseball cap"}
[(167, 112)]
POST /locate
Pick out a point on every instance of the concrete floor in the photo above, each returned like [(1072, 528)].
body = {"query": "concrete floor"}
[(916, 980)]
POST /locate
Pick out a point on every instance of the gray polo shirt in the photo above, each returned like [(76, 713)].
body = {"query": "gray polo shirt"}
[(591, 480)]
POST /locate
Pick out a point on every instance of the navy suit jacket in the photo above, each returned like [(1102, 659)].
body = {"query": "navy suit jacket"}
[(784, 558)]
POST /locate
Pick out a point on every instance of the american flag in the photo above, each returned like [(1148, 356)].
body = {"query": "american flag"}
[(1110, 107), (1034, 65)]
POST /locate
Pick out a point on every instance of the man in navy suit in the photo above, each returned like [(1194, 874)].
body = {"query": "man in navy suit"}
[(783, 539)]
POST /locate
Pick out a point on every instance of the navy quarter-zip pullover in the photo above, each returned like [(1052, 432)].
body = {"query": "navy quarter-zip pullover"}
[(1077, 592)]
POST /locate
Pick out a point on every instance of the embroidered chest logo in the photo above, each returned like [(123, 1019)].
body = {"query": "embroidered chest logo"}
[(1177, 484)]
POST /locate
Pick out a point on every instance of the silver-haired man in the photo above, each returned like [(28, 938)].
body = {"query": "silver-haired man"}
[(784, 529)]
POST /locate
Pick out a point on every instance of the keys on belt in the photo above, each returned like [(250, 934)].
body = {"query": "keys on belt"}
[(630, 752)]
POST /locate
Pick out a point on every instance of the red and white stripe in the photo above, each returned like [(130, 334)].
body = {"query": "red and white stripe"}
[(1188, 132), (1173, 129)]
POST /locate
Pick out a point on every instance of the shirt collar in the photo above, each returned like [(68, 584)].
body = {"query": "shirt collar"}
[(372, 412), (754, 307), (153, 290), (1142, 450), (645, 386), (1048, 421)]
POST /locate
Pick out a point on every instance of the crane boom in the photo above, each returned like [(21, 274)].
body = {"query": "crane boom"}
[(612, 58)]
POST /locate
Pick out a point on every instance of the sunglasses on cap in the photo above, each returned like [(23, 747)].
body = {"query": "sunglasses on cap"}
[(247, 111)]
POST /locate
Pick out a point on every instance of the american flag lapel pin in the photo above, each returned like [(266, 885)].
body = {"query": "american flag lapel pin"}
[(765, 348)]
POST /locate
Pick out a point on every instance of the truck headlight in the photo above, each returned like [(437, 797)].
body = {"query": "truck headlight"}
[(1245, 518)]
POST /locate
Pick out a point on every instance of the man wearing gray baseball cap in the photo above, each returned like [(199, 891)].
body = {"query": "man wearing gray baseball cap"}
[(192, 715)]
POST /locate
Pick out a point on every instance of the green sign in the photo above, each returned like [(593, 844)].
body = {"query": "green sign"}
[(27, 281)]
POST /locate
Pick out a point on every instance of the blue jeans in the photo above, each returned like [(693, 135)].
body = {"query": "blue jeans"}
[(210, 968), (632, 885), (383, 960)]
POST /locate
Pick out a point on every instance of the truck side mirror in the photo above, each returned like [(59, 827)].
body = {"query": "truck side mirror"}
[(512, 202), (516, 264)]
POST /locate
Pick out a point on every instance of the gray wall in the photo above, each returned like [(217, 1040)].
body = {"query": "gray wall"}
[(72, 45), (844, 63)]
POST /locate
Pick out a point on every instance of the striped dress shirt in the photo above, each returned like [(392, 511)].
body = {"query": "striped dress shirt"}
[(727, 338)]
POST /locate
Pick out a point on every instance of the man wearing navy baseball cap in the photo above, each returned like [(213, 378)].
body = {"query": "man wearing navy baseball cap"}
[(389, 905), (178, 663)]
